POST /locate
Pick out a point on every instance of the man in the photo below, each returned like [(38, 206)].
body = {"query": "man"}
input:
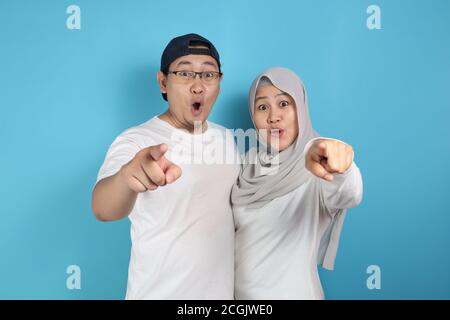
[(182, 228)]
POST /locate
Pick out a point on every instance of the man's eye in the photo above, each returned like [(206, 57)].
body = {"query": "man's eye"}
[(184, 73), (262, 107), (208, 75), (284, 103)]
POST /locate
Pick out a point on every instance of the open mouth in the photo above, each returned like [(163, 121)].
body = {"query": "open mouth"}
[(278, 133), (196, 108)]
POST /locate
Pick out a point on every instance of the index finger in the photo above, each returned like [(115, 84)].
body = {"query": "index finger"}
[(158, 151)]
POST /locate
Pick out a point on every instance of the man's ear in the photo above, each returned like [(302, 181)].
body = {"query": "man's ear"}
[(162, 78)]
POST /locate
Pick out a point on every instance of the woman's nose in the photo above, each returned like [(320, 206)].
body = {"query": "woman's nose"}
[(274, 117)]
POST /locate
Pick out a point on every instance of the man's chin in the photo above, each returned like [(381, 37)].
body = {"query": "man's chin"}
[(196, 124), (198, 120)]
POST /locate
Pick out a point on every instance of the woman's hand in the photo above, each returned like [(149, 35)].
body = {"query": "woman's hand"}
[(326, 156)]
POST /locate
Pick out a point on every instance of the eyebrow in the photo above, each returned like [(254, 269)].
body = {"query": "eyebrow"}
[(188, 63), (278, 94)]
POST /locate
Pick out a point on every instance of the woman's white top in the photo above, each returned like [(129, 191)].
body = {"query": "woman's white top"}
[(278, 246)]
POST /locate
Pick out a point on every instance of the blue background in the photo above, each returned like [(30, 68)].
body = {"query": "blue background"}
[(66, 94)]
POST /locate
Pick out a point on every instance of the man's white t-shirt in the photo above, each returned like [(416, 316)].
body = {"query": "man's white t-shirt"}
[(183, 233), (279, 246)]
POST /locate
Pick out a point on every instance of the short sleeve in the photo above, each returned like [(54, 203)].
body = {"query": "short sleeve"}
[(121, 151)]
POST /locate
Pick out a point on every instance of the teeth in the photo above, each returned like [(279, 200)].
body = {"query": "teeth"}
[(196, 105)]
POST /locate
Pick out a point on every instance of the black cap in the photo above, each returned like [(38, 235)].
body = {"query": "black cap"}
[(179, 47)]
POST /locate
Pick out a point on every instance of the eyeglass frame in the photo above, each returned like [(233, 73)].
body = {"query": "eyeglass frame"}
[(196, 73)]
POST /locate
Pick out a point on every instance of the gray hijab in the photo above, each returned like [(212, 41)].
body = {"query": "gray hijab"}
[(286, 171)]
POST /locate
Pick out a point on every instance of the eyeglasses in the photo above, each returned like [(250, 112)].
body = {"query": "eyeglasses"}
[(206, 76)]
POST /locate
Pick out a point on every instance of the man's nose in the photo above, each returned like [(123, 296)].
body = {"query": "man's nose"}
[(197, 86)]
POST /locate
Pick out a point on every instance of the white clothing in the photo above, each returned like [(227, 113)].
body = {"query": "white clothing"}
[(183, 233), (279, 245)]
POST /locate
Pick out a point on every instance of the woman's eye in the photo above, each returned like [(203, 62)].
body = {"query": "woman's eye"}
[(284, 103), (262, 107)]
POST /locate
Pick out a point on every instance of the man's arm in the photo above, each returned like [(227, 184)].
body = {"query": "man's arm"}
[(114, 197)]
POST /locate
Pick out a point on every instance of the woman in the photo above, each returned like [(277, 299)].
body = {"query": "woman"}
[(289, 205)]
